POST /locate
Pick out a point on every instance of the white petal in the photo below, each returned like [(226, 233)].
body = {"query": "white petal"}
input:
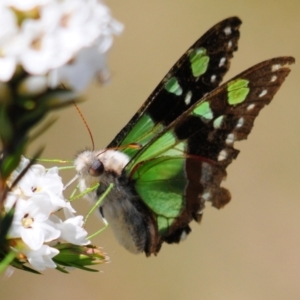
[(8, 24), (69, 211), (72, 231), (50, 230), (34, 85), (42, 257), (88, 63), (10, 200), (33, 238), (7, 67), (39, 207)]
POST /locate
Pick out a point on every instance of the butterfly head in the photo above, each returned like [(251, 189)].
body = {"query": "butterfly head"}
[(94, 166)]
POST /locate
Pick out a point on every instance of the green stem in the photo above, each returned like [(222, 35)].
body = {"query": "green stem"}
[(97, 232), (88, 190), (97, 204), (7, 260)]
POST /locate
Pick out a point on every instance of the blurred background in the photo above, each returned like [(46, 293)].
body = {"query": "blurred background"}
[(250, 249)]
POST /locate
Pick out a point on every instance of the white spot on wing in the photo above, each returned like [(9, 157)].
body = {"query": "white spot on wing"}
[(213, 78), (273, 78), (188, 97), (250, 106), (229, 45), (222, 155), (218, 122), (230, 139), (206, 196), (183, 236), (263, 93), (227, 30), (240, 122), (222, 61), (200, 212), (276, 67)]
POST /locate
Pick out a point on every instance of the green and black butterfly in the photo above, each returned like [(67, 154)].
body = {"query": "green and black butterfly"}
[(171, 158)]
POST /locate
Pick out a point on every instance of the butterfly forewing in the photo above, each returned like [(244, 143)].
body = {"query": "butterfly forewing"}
[(177, 147), (196, 73), (183, 167)]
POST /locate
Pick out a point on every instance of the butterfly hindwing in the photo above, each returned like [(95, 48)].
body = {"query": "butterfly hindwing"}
[(197, 72), (171, 158), (183, 167)]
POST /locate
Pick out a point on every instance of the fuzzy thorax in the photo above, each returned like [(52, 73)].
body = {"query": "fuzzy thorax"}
[(120, 206)]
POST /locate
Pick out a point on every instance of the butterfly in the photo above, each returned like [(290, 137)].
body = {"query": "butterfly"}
[(171, 157)]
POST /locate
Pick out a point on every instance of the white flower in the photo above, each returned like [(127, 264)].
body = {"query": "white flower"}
[(89, 63), (24, 5), (7, 68), (8, 30), (58, 34), (84, 29), (42, 258), (39, 180), (22, 165), (37, 196), (72, 230), (31, 220)]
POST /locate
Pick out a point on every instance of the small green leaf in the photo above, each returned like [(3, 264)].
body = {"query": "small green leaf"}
[(5, 223), (61, 269), (6, 127), (7, 260), (79, 256), (9, 162), (21, 266)]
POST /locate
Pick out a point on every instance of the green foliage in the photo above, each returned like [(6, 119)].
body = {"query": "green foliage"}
[(20, 111), (78, 257), (22, 107)]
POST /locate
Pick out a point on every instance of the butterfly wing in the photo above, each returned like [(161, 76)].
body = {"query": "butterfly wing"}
[(197, 72), (183, 167)]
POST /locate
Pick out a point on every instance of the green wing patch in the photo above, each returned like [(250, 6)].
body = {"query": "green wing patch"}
[(237, 91), (183, 167), (199, 61), (196, 73), (161, 183)]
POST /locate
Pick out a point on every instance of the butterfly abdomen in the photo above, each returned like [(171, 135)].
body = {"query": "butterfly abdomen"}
[(128, 217)]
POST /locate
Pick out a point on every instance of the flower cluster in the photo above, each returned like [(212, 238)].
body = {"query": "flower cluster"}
[(36, 229), (62, 41), (49, 52)]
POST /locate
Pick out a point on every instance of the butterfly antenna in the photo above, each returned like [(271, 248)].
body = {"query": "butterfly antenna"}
[(86, 125)]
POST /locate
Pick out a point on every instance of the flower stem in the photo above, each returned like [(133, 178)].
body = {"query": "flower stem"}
[(88, 190), (97, 232), (97, 204), (7, 260)]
